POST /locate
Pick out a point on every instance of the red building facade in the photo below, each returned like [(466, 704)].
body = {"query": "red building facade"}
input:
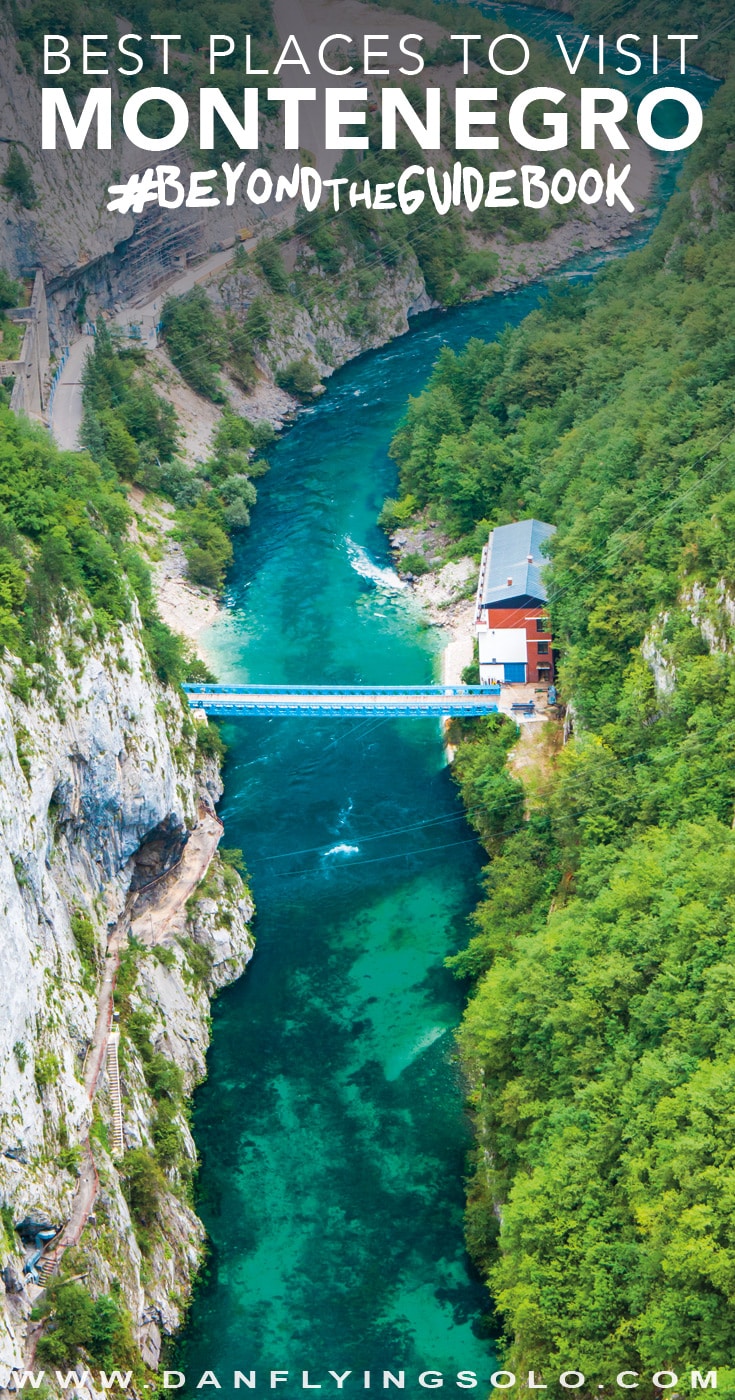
[(539, 654), (514, 637)]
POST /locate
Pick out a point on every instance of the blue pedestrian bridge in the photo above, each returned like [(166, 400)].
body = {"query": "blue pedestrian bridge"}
[(391, 701)]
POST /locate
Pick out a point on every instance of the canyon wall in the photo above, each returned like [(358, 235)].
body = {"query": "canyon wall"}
[(102, 778)]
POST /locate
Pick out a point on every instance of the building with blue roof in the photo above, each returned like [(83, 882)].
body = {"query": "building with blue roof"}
[(514, 637)]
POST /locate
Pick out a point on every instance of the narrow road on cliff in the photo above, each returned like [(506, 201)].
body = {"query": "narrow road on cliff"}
[(68, 410), (168, 913)]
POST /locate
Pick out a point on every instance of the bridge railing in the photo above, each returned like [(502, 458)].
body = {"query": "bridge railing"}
[(397, 710), (379, 690)]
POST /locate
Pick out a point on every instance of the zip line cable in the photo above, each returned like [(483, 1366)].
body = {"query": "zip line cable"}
[(330, 216), (367, 259), (377, 860), (361, 259), (378, 256), (376, 836)]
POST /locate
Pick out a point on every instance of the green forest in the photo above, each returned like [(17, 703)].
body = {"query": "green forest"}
[(63, 523), (132, 432), (599, 1038)]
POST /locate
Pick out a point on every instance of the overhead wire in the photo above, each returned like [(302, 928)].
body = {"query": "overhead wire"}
[(347, 865), (323, 849)]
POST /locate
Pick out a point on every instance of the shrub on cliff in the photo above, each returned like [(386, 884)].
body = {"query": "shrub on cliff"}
[(195, 341), (166, 651), (258, 322), (46, 1070), (167, 1137), (241, 360), (85, 938), (269, 258), (10, 291), (98, 1326), (17, 180), (298, 377), (209, 741), (143, 1184)]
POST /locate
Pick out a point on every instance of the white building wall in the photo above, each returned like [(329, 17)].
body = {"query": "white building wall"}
[(501, 644), (496, 646)]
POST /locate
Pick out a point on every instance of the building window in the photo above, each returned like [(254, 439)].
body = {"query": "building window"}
[(543, 648), (542, 624)]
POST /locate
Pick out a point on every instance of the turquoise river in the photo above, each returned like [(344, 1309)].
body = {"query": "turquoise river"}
[(331, 1127)]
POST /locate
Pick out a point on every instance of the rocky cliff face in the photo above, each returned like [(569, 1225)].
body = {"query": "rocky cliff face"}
[(96, 261), (101, 777)]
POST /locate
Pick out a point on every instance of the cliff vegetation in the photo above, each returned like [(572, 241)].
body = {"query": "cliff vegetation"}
[(106, 791), (598, 1039)]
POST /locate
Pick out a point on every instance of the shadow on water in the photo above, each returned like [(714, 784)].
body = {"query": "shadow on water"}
[(331, 1127)]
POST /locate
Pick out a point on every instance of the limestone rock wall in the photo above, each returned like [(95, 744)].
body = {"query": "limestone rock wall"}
[(95, 755)]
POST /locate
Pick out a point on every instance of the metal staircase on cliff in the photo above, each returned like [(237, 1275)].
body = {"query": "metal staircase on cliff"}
[(117, 1144), (48, 1266)]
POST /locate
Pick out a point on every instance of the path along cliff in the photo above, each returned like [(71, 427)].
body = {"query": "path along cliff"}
[(106, 804)]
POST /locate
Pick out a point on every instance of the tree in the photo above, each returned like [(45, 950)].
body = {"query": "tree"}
[(195, 340), (298, 377), (270, 261), (233, 434), (258, 322), (10, 291), (239, 488), (237, 515), (17, 179), (143, 1183), (150, 419), (101, 1326), (241, 359), (120, 446), (207, 547)]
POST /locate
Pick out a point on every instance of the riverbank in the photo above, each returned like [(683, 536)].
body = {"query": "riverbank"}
[(182, 605), (442, 595)]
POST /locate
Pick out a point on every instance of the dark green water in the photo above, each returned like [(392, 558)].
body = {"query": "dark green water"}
[(331, 1127)]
